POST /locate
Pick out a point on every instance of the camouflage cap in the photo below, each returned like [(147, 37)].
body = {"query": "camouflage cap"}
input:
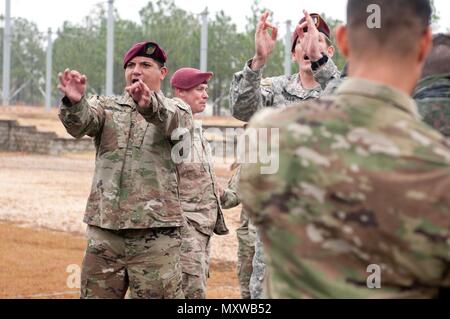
[(187, 78), (147, 49), (320, 23)]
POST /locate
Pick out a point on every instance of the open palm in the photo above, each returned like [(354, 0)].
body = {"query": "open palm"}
[(72, 84)]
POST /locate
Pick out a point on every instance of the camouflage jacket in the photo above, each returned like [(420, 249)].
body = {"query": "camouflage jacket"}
[(199, 195), (248, 93), (230, 197), (135, 183), (432, 96), (361, 198)]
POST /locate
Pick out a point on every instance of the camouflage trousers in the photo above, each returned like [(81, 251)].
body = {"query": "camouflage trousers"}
[(246, 250), (195, 251), (144, 260), (259, 275)]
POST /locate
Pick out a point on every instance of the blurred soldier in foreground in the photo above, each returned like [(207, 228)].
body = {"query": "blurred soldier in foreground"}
[(359, 207), (133, 212), (199, 190), (312, 50), (246, 235), (432, 93)]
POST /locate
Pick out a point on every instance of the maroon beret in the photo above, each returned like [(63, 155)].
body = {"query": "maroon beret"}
[(187, 78), (320, 23), (146, 49)]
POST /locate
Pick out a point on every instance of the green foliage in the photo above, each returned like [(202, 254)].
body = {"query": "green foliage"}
[(338, 58), (82, 47), (27, 62), (435, 18), (178, 33)]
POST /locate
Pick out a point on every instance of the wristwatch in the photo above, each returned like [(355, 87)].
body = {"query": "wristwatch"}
[(317, 64)]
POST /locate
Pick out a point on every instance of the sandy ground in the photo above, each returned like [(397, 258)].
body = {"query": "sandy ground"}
[(42, 201), (44, 264), (51, 192), (43, 194)]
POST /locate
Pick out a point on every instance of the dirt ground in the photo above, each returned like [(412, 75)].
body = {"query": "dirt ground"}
[(46, 197), (42, 200), (44, 264)]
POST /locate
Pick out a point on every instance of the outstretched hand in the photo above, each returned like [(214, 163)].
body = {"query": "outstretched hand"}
[(72, 84), (264, 42), (140, 93), (309, 40)]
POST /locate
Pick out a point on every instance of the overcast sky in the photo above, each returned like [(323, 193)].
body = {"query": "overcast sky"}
[(52, 13)]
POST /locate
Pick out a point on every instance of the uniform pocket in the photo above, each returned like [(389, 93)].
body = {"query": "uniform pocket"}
[(108, 141), (139, 132), (121, 125), (172, 285)]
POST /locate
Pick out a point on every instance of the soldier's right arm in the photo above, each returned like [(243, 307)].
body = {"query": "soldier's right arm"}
[(230, 198), (80, 116), (83, 118), (248, 94)]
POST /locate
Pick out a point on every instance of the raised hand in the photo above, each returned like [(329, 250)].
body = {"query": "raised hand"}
[(264, 42), (72, 84), (140, 93), (309, 40)]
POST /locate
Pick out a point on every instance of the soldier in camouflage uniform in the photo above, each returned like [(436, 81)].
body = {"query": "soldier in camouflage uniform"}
[(133, 212), (432, 93), (259, 275), (359, 207), (199, 190), (310, 42), (334, 84), (246, 234), (248, 93)]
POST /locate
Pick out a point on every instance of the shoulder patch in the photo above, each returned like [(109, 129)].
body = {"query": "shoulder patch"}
[(181, 104)]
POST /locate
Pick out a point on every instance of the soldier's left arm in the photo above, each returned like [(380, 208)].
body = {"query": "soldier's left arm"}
[(230, 198), (326, 73)]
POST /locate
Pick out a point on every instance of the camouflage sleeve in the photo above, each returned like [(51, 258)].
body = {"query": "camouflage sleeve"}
[(230, 198), (256, 188), (332, 86), (246, 94), (83, 118), (326, 73), (432, 96), (167, 114)]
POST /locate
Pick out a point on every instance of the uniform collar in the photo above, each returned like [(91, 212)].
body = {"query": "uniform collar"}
[(378, 91), (294, 87)]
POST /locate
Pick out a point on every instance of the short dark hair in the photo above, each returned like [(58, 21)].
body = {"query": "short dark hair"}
[(402, 21), (438, 61)]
